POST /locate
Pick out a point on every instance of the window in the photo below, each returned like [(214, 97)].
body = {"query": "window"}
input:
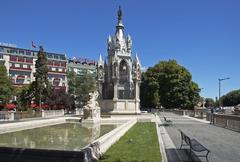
[(17, 65), (50, 55), (63, 64), (56, 57), (20, 59), (29, 60), (21, 52), (62, 57), (13, 58), (28, 53), (56, 63), (25, 66), (56, 81), (13, 51), (1, 49), (1, 56)]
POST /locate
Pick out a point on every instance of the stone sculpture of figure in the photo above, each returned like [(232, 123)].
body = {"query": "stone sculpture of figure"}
[(100, 73), (91, 109), (138, 72), (119, 13), (93, 99)]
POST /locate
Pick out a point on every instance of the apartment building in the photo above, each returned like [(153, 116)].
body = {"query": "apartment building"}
[(20, 65)]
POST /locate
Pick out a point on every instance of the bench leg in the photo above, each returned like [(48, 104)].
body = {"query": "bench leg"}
[(181, 145), (190, 153), (207, 156)]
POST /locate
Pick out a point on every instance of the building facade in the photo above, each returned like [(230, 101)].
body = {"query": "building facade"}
[(119, 76), (20, 65), (80, 66)]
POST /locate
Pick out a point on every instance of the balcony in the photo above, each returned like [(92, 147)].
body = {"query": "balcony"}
[(21, 69), (57, 72)]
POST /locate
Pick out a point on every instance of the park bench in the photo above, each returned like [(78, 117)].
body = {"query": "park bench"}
[(194, 145), (167, 122)]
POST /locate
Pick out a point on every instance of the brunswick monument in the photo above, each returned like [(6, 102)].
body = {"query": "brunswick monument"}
[(119, 75)]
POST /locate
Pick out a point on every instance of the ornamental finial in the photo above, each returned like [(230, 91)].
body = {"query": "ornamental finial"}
[(119, 14)]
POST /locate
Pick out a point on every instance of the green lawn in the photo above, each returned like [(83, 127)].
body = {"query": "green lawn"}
[(139, 144)]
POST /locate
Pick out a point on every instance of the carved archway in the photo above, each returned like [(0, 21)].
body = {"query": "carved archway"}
[(123, 72)]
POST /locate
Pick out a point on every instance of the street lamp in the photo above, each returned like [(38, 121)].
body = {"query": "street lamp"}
[(202, 98), (219, 86), (42, 86)]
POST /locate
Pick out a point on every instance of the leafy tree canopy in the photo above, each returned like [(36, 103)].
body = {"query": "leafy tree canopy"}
[(84, 84), (209, 102), (171, 85), (231, 99), (58, 99)]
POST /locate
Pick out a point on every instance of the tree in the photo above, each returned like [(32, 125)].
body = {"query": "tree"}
[(24, 97), (83, 86), (149, 89), (58, 99), (40, 87), (71, 76), (231, 99), (174, 86), (6, 87), (209, 102)]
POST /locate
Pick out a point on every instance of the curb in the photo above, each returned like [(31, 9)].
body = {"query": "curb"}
[(160, 140)]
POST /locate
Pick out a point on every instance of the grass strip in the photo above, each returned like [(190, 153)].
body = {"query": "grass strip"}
[(139, 144)]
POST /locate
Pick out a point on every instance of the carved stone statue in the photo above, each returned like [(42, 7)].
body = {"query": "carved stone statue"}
[(92, 109)]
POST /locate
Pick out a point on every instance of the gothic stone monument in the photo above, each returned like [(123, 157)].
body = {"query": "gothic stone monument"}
[(119, 75)]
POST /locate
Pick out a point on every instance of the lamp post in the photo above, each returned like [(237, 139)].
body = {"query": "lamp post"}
[(42, 86), (219, 90), (202, 98)]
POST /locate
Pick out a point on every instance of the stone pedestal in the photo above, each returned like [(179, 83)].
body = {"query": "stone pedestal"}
[(94, 115), (118, 107)]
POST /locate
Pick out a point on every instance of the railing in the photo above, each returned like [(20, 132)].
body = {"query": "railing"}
[(12, 115), (227, 121), (5, 115), (52, 113), (23, 115), (183, 112)]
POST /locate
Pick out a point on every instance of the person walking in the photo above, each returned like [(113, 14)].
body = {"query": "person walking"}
[(211, 120)]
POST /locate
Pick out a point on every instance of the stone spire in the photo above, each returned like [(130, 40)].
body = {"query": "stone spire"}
[(137, 59), (100, 61), (119, 28)]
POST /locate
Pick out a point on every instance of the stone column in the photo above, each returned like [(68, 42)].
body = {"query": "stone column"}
[(12, 113), (137, 90), (115, 97)]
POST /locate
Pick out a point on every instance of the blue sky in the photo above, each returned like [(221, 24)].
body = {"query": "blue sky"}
[(202, 35)]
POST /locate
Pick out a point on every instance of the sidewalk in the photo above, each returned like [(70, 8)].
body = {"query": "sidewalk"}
[(224, 144)]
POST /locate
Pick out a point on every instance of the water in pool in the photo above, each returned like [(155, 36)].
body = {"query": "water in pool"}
[(68, 136)]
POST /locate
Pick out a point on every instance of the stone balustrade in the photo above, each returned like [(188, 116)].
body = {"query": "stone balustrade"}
[(183, 112), (6, 115), (227, 121), (13, 115), (52, 113)]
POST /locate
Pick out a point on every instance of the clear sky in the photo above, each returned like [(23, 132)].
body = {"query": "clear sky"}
[(202, 35)]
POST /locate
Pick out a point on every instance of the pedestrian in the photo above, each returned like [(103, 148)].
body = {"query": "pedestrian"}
[(211, 120)]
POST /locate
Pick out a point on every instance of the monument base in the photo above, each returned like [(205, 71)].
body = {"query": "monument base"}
[(118, 107), (91, 121), (94, 115)]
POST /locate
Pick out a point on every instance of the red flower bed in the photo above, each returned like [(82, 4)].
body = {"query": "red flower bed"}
[(10, 106)]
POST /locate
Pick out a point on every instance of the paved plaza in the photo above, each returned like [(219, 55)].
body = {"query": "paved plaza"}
[(224, 144)]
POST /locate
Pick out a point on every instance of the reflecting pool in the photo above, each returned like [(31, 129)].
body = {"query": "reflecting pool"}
[(68, 136)]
